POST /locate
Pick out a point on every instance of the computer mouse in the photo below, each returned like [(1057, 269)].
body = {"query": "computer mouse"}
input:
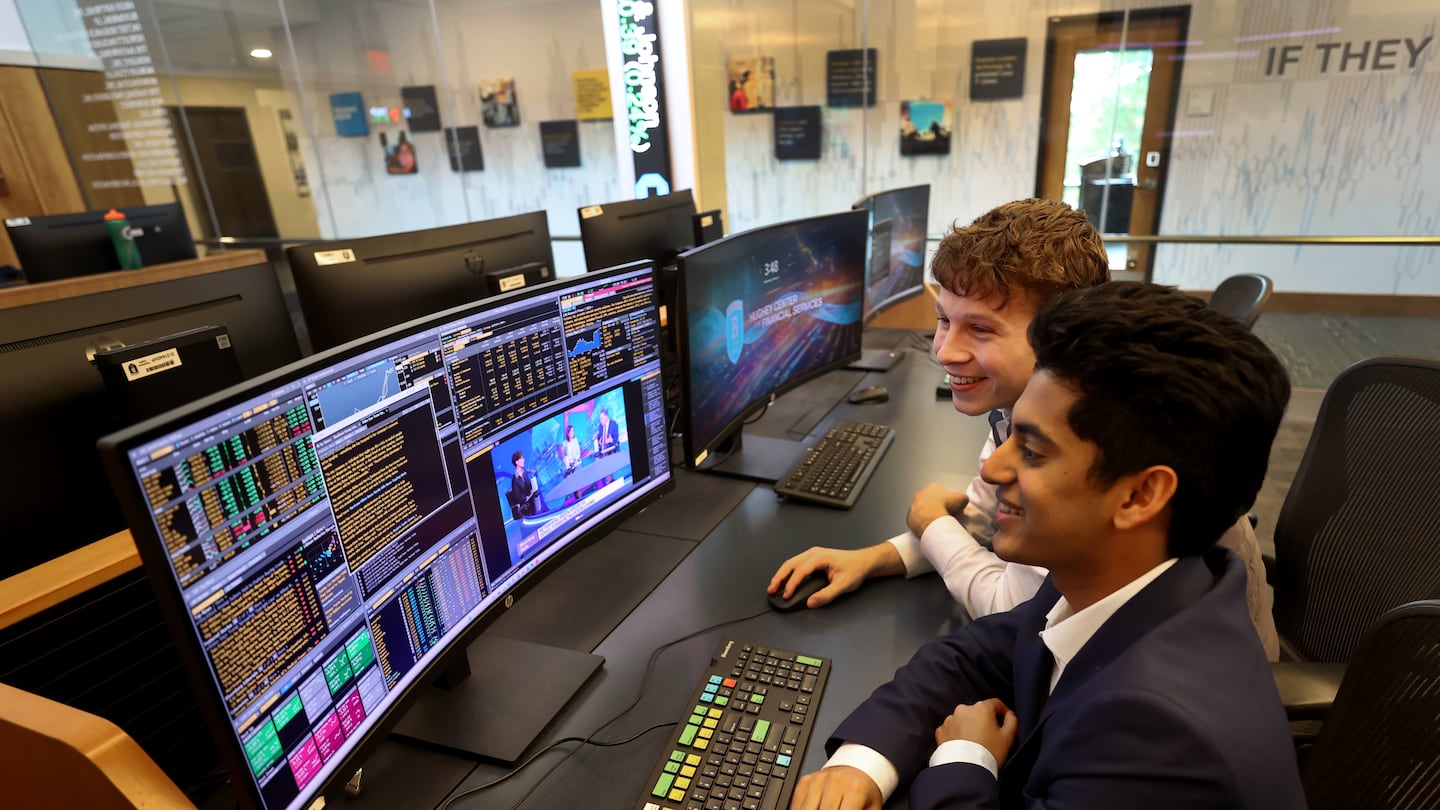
[(807, 586), (868, 395)]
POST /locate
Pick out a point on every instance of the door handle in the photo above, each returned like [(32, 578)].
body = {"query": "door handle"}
[(1149, 184)]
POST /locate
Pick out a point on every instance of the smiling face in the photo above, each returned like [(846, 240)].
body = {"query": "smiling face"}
[(983, 349), (1051, 513)]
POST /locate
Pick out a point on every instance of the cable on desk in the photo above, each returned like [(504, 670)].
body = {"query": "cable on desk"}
[(590, 739)]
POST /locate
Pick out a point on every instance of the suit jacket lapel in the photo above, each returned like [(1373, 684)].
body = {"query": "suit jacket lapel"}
[(1188, 580)]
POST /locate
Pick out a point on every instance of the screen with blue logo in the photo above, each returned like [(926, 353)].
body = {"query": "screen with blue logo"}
[(766, 310)]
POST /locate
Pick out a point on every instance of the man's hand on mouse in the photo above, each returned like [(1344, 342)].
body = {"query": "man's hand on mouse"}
[(845, 569), (931, 503)]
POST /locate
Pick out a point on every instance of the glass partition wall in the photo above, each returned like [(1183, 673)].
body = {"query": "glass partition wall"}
[(1166, 122)]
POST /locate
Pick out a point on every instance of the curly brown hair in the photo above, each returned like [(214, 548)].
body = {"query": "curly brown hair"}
[(1038, 246)]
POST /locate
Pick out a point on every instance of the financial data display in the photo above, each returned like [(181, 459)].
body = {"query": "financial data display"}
[(896, 268), (765, 310), (332, 534)]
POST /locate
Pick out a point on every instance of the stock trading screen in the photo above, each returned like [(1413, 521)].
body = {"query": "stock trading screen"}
[(327, 535)]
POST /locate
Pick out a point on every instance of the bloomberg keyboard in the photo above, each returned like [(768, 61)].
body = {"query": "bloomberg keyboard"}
[(836, 468), (742, 743)]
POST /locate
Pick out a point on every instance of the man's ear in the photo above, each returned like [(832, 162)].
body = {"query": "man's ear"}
[(1149, 496)]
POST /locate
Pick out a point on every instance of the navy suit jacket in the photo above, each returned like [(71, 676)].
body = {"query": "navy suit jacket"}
[(1171, 704)]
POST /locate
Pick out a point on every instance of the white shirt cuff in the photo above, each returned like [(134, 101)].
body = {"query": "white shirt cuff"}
[(911, 556), (965, 751), (873, 764)]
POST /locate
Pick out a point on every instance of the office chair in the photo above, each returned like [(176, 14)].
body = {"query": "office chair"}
[(1357, 532), (1242, 297), (1379, 747)]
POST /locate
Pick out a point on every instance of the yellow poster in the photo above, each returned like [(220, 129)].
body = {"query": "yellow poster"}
[(592, 95)]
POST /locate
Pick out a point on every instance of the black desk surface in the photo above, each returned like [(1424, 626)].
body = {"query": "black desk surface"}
[(711, 545)]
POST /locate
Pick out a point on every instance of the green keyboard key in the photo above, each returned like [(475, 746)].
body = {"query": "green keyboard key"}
[(762, 727), (808, 661), (688, 735), (663, 786)]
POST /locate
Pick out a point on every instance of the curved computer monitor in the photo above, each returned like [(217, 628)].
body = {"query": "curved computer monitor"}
[(57, 498), (656, 228), (353, 287), (67, 245), (322, 539), (763, 311), (895, 265)]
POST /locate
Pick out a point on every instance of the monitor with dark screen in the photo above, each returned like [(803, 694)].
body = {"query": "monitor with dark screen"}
[(654, 228), (56, 496), (764, 310), (327, 539), (896, 267), (66, 245), (350, 288)]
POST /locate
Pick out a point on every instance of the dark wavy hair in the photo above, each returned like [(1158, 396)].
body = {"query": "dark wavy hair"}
[(1163, 379), (1038, 246)]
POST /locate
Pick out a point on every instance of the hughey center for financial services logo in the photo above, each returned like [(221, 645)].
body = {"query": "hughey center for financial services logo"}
[(644, 97)]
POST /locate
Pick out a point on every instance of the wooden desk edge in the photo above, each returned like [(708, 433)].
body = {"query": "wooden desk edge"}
[(50, 583), (27, 294)]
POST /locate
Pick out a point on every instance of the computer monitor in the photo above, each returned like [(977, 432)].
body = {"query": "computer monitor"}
[(764, 310), (707, 226), (655, 228), (895, 269), (67, 245), (55, 404), (325, 540), (353, 287)]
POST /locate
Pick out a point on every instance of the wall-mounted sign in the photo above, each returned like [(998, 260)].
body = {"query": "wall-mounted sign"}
[(421, 108), (560, 142), (997, 69), (797, 133), (592, 95), (348, 110), (644, 97), (462, 144), (850, 77)]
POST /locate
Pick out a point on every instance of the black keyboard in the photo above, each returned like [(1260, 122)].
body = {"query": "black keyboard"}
[(836, 468), (742, 743)]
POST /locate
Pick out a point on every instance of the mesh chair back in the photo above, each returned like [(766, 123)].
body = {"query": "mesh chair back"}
[(1357, 532), (1242, 297), (1379, 746)]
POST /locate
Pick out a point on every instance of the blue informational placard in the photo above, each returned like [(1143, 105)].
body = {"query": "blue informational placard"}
[(348, 110)]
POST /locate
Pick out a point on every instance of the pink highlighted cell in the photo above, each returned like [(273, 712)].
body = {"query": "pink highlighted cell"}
[(329, 735), (351, 711), (305, 762)]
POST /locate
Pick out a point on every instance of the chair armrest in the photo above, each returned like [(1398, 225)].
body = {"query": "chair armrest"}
[(50, 583), (1306, 688)]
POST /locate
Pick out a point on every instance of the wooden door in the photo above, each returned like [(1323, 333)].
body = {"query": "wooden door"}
[(233, 191), (1160, 31)]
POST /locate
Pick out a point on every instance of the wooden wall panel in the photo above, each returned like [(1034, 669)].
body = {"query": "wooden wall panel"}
[(67, 91), (32, 155)]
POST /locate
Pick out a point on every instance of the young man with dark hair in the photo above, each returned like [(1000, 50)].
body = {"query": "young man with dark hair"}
[(1133, 678), (993, 274)]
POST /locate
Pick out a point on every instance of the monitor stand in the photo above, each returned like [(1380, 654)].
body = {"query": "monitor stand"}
[(876, 360), (498, 699), (755, 458)]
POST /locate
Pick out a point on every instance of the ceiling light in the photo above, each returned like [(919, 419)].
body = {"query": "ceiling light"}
[(261, 53)]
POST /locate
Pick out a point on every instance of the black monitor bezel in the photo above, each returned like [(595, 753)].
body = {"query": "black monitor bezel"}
[(113, 451), (695, 455), (866, 203), (316, 284), (596, 220), (96, 244)]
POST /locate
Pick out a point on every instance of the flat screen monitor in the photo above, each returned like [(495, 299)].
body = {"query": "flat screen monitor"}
[(764, 310), (351, 288), (323, 538), (654, 228), (707, 226), (57, 498), (67, 245), (895, 267)]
